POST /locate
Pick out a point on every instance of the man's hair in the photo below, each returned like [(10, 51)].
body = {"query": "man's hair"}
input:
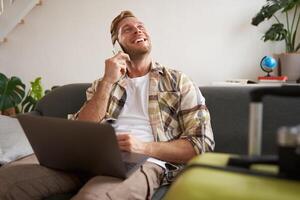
[(114, 24)]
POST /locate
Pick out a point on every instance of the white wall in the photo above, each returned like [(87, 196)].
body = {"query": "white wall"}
[(67, 41), (13, 13)]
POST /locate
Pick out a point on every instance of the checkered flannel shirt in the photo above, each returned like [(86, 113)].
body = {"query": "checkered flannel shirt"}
[(176, 110)]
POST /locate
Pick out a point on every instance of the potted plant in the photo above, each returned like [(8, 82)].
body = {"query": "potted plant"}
[(12, 95), (286, 16)]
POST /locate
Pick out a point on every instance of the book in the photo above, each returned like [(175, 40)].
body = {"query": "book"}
[(272, 79), (234, 82)]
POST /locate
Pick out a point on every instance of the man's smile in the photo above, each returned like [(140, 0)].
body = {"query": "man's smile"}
[(139, 40)]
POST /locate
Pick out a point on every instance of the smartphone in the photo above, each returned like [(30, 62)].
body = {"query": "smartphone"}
[(117, 48)]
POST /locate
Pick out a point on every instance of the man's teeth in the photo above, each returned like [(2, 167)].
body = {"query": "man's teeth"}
[(139, 40)]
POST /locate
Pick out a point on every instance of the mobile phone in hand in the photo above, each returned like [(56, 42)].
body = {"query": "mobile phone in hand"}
[(117, 48)]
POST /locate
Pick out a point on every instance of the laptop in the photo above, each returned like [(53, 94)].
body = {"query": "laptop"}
[(79, 146)]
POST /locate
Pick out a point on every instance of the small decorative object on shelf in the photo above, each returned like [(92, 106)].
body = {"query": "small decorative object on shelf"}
[(272, 78), (268, 64)]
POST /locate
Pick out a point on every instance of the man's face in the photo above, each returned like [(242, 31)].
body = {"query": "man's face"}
[(133, 36)]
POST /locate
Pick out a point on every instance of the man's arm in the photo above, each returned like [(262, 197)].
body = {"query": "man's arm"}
[(95, 107), (176, 151)]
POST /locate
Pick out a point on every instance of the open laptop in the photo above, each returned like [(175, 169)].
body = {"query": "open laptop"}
[(79, 146)]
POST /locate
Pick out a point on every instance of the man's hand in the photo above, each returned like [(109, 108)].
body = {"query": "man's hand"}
[(177, 151), (129, 143), (115, 67)]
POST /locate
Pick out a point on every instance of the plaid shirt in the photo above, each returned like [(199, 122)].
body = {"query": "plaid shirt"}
[(176, 109)]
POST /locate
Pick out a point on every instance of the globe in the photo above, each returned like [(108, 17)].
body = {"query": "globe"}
[(268, 64)]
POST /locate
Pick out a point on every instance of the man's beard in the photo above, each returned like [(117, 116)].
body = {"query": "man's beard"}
[(138, 53)]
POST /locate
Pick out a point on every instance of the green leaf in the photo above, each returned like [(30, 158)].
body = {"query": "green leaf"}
[(289, 4), (12, 91), (297, 48), (28, 104), (34, 94), (277, 32), (266, 12), (37, 91)]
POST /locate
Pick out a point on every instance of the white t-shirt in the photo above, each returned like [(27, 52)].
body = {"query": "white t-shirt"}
[(134, 117)]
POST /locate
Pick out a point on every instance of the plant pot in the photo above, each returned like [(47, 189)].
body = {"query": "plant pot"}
[(9, 112), (289, 65)]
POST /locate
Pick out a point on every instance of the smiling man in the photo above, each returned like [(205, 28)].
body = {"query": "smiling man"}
[(162, 111)]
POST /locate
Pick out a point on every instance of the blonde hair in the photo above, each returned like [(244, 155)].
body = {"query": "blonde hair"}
[(114, 24)]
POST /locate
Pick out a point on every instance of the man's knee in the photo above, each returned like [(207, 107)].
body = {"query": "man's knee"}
[(97, 188)]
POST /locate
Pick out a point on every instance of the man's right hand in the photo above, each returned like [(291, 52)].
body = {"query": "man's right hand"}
[(115, 67)]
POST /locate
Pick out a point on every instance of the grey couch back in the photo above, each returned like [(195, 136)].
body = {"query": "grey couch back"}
[(63, 100), (229, 108)]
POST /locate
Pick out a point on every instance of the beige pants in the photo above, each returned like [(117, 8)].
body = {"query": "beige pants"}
[(27, 180)]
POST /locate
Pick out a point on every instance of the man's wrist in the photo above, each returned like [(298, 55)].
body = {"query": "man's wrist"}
[(148, 148), (106, 81), (103, 89)]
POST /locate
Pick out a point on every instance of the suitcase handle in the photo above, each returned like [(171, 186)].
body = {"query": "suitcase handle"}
[(287, 91)]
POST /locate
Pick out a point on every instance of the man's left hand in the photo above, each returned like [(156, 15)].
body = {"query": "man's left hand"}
[(129, 143)]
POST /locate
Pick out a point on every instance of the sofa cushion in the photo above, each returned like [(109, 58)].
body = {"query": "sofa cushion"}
[(63, 100), (13, 142)]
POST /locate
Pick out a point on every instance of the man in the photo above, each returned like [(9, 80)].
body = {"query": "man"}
[(162, 108), (162, 111)]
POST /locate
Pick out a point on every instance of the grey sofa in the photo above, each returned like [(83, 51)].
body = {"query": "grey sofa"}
[(229, 113)]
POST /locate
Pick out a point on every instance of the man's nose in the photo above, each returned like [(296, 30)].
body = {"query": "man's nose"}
[(137, 30)]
